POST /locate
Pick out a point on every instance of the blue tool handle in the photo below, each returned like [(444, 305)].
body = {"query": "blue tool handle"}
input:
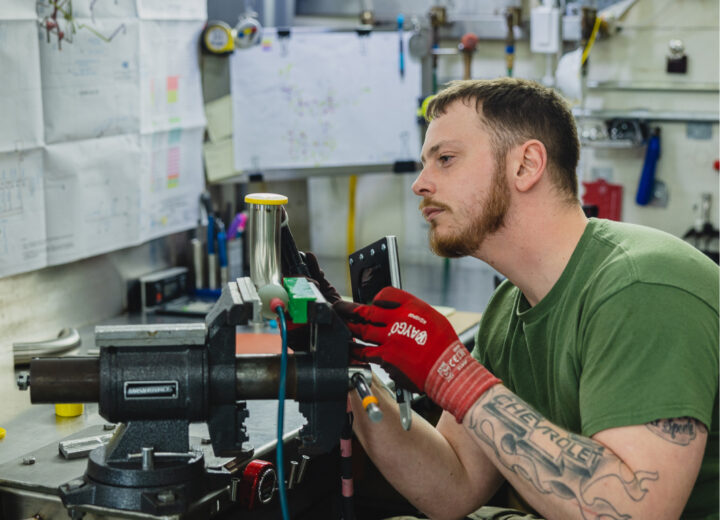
[(647, 178), (400, 24), (211, 235), (222, 248)]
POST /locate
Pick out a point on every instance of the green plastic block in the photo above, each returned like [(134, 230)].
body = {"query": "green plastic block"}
[(299, 293)]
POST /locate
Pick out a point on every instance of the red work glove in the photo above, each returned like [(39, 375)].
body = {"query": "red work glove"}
[(417, 345)]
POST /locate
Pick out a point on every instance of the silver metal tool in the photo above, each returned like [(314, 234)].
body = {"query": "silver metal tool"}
[(402, 396), (369, 401), (67, 339), (78, 448)]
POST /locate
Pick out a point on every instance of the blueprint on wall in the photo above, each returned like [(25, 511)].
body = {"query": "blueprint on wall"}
[(103, 146)]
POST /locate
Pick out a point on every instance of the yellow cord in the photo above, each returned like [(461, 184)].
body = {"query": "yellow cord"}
[(591, 41)]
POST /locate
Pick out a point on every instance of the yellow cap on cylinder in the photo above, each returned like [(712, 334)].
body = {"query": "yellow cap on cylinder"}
[(267, 199), (69, 410)]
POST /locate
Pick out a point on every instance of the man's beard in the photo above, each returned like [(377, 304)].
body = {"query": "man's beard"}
[(467, 240)]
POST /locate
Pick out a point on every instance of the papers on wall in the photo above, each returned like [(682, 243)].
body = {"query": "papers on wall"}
[(172, 9), (92, 196), (90, 87), (317, 100), (22, 211), (170, 191), (17, 10), (170, 84), (20, 94), (101, 142)]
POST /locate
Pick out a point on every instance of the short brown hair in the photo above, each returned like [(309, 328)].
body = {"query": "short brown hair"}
[(515, 110)]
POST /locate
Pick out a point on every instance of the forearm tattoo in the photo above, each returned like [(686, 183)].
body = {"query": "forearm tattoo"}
[(557, 462), (680, 431)]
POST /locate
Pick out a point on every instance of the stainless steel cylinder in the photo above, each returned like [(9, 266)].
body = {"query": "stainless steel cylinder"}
[(264, 218)]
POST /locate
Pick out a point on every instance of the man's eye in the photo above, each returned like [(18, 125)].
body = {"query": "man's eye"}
[(444, 159)]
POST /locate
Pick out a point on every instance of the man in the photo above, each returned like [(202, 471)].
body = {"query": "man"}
[(593, 385)]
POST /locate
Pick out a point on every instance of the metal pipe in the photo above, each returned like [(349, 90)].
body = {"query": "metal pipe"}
[(65, 380), (257, 376), (77, 379)]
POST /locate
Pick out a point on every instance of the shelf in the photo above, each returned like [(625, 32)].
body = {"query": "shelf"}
[(655, 86), (620, 144), (648, 115)]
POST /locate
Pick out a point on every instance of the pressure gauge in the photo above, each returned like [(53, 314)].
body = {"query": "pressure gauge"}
[(248, 32), (217, 38), (420, 43)]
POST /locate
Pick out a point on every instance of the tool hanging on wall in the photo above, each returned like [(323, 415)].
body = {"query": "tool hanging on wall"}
[(218, 38), (467, 48), (512, 16), (248, 31), (420, 41), (605, 197), (438, 18), (646, 186), (703, 235)]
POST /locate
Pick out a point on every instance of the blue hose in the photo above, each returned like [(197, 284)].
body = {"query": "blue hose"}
[(281, 416)]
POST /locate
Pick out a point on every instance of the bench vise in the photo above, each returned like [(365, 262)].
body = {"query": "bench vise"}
[(157, 379)]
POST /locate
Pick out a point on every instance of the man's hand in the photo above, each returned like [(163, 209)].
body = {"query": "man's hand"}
[(419, 349)]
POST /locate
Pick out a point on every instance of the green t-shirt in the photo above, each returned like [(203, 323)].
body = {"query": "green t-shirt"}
[(627, 335)]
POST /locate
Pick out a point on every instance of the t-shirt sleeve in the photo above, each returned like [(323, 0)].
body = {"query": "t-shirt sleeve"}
[(648, 352)]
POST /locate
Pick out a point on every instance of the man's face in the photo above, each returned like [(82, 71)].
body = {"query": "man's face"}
[(465, 192)]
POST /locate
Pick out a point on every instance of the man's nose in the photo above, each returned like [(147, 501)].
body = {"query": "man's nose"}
[(422, 185)]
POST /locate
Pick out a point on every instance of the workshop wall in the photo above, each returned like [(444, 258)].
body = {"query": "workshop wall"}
[(634, 59), (35, 306), (629, 68)]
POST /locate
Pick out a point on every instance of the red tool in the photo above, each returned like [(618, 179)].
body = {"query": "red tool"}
[(257, 484), (607, 197), (467, 46)]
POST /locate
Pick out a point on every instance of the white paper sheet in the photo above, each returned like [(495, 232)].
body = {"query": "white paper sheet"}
[(20, 94), (92, 9), (324, 99), (22, 212), (172, 9), (82, 172), (92, 196), (90, 87), (170, 84), (17, 10), (171, 182)]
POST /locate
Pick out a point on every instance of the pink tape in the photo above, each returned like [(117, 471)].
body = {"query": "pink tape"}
[(345, 447), (347, 487)]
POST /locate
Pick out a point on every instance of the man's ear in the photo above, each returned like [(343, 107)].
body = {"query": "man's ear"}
[(530, 164)]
